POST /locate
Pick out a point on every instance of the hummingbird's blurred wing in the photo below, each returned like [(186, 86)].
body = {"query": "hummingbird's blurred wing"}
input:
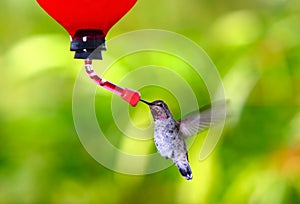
[(202, 119)]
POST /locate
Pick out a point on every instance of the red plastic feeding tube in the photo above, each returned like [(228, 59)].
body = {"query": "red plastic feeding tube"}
[(130, 96)]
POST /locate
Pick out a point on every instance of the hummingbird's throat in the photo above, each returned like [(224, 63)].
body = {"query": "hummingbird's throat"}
[(158, 114), (162, 118)]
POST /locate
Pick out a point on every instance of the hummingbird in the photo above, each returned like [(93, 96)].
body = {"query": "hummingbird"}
[(170, 134)]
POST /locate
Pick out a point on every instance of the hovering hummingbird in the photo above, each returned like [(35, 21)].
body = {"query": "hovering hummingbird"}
[(169, 134)]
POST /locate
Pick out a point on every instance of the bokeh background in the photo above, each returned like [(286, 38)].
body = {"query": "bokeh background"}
[(254, 44)]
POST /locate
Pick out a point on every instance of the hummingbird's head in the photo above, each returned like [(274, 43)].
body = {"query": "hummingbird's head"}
[(159, 109)]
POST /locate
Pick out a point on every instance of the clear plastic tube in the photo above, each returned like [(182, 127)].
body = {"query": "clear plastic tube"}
[(130, 96)]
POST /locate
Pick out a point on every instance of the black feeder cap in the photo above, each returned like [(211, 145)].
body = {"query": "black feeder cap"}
[(88, 44)]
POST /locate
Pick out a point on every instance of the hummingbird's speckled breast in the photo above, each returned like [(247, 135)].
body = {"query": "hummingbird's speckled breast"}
[(167, 139)]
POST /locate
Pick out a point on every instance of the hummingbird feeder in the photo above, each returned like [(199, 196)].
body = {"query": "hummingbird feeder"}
[(88, 22)]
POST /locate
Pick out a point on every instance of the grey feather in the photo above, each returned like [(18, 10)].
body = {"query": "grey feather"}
[(202, 119)]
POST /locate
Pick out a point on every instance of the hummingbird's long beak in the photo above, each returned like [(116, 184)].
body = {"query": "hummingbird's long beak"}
[(148, 103)]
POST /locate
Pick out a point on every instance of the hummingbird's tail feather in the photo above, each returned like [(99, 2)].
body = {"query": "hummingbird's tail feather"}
[(184, 169)]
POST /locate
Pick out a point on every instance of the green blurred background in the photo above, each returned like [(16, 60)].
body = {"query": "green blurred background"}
[(256, 48)]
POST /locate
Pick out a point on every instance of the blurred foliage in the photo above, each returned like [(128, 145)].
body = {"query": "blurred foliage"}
[(256, 48)]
